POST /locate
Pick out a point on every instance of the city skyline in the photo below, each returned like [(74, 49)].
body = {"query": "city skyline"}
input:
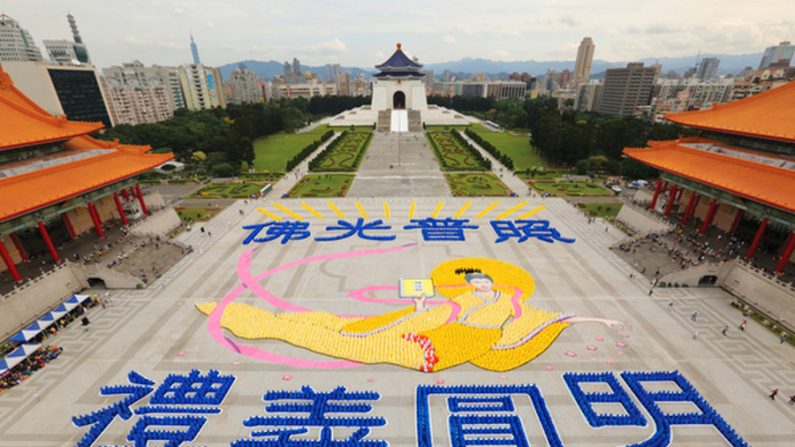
[(441, 32)]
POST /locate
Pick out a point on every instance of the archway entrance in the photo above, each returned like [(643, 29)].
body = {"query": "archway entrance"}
[(399, 100)]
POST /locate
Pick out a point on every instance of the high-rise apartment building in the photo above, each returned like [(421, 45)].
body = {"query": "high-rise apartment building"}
[(296, 67), (708, 68), (582, 68), (343, 83), (244, 86), (201, 86), (138, 94), (627, 88), (16, 43), (780, 52), (136, 74), (331, 72)]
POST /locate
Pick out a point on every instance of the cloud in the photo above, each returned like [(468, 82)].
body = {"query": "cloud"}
[(502, 54), (143, 42), (567, 20), (448, 39), (334, 45)]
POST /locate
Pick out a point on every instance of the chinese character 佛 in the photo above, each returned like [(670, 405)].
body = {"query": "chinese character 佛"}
[(288, 230)]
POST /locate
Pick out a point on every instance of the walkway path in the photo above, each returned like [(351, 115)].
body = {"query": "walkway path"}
[(510, 179), (399, 165)]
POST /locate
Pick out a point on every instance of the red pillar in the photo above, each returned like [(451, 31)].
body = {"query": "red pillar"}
[(671, 200), (737, 218), (20, 249), (12, 269), (69, 226), (656, 194), (679, 196), (141, 199), (713, 208), (120, 209), (95, 217), (48, 242), (787, 253), (757, 239), (691, 206), (124, 194)]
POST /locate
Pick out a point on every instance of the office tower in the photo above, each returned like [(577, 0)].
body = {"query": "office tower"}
[(708, 68), (296, 68), (194, 50), (626, 88), (582, 68), (780, 52), (16, 44)]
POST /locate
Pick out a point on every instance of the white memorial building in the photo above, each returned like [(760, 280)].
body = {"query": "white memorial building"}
[(399, 103)]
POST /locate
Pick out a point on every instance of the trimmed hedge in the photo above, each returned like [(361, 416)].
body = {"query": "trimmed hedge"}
[(488, 147), (316, 164), (305, 152), (471, 149)]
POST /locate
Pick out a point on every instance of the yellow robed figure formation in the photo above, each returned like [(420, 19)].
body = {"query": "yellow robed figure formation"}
[(487, 322)]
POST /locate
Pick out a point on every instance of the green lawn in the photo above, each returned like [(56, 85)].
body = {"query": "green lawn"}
[(572, 188), (322, 185), (440, 127), (272, 153), (476, 185), (452, 156), (605, 210), (228, 190), (197, 213), (344, 154), (515, 146)]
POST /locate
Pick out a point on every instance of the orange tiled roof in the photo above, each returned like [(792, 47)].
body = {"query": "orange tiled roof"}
[(24, 193), (24, 123), (768, 115), (762, 183)]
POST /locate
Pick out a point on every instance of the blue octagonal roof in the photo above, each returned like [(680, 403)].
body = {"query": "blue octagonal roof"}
[(399, 61)]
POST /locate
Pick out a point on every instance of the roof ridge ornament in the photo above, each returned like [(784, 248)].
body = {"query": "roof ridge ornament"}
[(398, 46)]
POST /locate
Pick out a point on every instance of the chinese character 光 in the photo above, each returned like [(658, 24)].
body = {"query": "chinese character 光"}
[(358, 228)]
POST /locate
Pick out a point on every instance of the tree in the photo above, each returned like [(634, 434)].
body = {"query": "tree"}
[(583, 167), (223, 170)]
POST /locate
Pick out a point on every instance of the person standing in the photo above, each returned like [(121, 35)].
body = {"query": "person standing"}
[(694, 316), (695, 334), (792, 400), (773, 394), (725, 330), (743, 324)]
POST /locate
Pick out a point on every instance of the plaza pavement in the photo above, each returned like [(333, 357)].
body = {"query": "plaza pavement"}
[(399, 165), (157, 331)]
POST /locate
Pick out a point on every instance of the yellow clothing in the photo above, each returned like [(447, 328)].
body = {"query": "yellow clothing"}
[(486, 333)]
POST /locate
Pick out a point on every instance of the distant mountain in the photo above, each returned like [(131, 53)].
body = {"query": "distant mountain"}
[(269, 69), (729, 64)]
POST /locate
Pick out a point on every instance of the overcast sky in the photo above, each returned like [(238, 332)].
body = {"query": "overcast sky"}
[(363, 32)]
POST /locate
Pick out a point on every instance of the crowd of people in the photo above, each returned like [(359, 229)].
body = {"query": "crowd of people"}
[(45, 354), (25, 369)]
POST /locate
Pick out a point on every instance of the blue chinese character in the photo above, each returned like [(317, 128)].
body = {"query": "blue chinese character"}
[(139, 388), (523, 230), (448, 229), (289, 230), (483, 415), (663, 421), (359, 228), (176, 395), (191, 395), (617, 394), (279, 430)]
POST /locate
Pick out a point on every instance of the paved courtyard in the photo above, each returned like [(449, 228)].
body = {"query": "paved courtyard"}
[(158, 330), (399, 165)]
